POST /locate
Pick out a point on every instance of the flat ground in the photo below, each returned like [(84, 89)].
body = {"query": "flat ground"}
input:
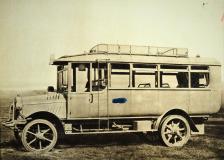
[(116, 146)]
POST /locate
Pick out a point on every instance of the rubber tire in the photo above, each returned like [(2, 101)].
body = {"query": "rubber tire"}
[(162, 130), (36, 121)]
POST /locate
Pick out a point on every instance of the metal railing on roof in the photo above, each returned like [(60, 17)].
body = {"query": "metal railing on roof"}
[(139, 50)]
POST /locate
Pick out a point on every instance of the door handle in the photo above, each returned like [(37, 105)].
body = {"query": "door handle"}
[(91, 98)]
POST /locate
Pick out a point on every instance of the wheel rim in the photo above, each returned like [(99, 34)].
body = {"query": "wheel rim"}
[(175, 131), (40, 135)]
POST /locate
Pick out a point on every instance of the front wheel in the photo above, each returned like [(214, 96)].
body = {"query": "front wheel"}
[(175, 131), (39, 135)]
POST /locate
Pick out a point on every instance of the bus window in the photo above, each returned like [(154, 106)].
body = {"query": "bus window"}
[(120, 74), (199, 80), (172, 76), (99, 76), (174, 80), (168, 80), (199, 76), (199, 67), (144, 76), (62, 78), (144, 79), (182, 79)]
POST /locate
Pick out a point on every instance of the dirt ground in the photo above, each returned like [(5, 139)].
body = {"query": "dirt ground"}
[(124, 146), (116, 146)]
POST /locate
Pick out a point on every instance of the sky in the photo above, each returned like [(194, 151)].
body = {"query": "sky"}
[(32, 30)]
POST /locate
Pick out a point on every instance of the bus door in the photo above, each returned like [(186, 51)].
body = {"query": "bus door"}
[(79, 98), (99, 108)]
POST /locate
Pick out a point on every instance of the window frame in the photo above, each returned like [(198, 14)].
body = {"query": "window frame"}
[(206, 70), (166, 69), (110, 70), (150, 69)]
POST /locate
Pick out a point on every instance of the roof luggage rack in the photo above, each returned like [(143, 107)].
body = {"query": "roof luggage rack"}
[(139, 50)]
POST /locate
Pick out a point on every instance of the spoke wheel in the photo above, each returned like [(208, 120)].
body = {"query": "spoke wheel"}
[(39, 135), (175, 131)]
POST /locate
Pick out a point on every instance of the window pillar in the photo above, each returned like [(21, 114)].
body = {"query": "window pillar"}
[(131, 76), (90, 77), (159, 77), (189, 76), (69, 77)]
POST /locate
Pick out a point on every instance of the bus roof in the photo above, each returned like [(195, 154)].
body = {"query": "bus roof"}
[(136, 54)]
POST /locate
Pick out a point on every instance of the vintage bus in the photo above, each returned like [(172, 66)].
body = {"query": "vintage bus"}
[(121, 89)]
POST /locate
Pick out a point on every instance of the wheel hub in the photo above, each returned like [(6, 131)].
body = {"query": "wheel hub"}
[(39, 135)]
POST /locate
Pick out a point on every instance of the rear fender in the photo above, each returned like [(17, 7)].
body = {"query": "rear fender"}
[(176, 111)]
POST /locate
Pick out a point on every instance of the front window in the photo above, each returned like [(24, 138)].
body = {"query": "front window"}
[(62, 83)]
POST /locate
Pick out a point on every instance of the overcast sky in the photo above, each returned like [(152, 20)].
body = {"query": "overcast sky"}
[(32, 30)]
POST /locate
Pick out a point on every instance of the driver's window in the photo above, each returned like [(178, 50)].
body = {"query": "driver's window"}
[(81, 72)]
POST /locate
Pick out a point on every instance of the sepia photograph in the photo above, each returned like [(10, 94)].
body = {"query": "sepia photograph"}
[(111, 79)]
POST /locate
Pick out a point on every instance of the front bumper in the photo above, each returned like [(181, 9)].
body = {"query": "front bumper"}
[(14, 118), (12, 124)]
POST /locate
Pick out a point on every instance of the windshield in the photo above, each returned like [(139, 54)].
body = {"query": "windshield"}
[(62, 83)]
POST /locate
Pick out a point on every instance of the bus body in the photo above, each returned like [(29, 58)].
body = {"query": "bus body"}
[(119, 89)]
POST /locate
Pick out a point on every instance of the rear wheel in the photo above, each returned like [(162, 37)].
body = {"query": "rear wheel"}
[(175, 131), (39, 135)]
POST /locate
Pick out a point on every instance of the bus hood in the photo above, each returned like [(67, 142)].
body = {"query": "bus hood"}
[(51, 102)]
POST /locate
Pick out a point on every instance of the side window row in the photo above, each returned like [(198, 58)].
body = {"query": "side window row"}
[(94, 76), (168, 76)]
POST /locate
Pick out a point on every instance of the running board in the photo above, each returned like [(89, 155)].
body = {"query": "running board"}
[(108, 132)]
